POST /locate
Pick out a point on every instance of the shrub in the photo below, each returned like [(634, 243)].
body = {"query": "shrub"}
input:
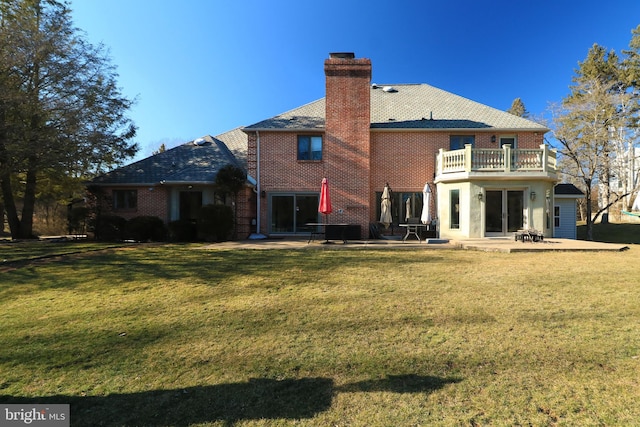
[(110, 227), (215, 222), (182, 230), (146, 228)]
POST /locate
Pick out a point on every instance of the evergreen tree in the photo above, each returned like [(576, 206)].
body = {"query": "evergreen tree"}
[(230, 180), (160, 149), (518, 108), (60, 107)]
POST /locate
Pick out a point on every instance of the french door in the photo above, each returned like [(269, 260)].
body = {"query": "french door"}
[(504, 212), (290, 212)]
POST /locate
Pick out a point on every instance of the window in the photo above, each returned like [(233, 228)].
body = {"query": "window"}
[(309, 147), (556, 216), (454, 206), (457, 142), (399, 206), (125, 199)]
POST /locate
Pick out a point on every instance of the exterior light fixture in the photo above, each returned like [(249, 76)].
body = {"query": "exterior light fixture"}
[(532, 195), (493, 138), (480, 196)]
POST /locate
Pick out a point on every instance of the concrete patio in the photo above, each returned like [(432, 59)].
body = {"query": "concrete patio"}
[(507, 245)]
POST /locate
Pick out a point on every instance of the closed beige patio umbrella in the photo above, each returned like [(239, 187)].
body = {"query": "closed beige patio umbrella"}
[(385, 207)]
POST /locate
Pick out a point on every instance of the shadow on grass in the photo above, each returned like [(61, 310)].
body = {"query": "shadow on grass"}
[(399, 384), (230, 403)]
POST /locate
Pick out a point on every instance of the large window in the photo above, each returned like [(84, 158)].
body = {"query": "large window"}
[(125, 199), (457, 142), (309, 147)]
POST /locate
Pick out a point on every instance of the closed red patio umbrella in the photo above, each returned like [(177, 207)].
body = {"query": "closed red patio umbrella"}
[(325, 199)]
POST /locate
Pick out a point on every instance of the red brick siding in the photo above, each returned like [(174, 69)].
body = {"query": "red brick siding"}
[(152, 201)]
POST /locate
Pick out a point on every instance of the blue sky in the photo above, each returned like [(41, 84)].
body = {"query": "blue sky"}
[(199, 67)]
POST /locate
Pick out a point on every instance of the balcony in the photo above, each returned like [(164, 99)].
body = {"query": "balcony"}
[(496, 164)]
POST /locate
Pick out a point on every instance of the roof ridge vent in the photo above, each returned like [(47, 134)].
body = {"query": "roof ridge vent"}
[(200, 141), (389, 89)]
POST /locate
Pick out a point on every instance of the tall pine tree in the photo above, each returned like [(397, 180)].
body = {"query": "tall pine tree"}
[(60, 108), (518, 108)]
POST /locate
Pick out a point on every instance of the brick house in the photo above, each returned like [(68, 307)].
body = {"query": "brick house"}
[(174, 184), (489, 171)]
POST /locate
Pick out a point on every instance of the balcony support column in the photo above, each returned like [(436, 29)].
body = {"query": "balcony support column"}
[(468, 160), (507, 157)]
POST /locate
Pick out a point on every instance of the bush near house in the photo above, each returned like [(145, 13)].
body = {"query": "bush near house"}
[(215, 222), (146, 228), (110, 228), (182, 230)]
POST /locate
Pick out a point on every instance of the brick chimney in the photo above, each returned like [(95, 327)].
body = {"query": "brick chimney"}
[(347, 137)]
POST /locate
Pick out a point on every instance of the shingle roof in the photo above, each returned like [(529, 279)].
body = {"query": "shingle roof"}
[(193, 162), (409, 106), (236, 141), (567, 190), (309, 116)]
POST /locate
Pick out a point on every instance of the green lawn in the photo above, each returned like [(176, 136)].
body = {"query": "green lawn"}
[(182, 335)]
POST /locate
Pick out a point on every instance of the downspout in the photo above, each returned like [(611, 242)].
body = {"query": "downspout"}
[(258, 196), (258, 235)]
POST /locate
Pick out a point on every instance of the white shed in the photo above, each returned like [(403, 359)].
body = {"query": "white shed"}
[(564, 210)]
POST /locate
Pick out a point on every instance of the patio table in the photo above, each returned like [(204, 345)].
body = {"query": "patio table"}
[(413, 229)]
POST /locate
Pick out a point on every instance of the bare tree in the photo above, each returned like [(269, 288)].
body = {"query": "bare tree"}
[(582, 126)]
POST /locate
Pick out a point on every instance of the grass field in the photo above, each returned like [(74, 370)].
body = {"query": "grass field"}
[(180, 335)]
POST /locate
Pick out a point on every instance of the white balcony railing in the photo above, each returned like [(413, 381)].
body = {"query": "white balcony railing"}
[(499, 160)]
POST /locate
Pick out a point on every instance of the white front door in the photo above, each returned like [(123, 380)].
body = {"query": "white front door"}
[(504, 212)]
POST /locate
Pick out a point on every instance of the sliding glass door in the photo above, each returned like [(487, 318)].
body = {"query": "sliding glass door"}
[(290, 212)]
